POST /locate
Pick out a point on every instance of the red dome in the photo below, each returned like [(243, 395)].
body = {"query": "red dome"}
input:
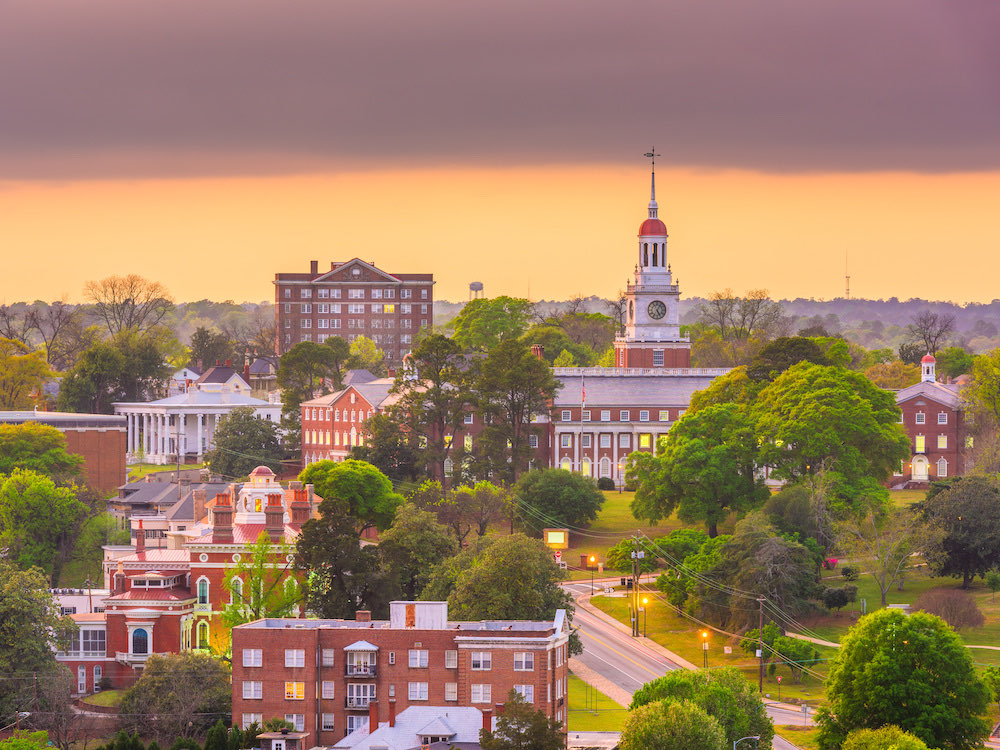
[(651, 227), (927, 359)]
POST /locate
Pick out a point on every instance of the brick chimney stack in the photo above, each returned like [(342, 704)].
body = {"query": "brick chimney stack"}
[(392, 712), (538, 350), (299, 509), (373, 716), (363, 615), (488, 719), (274, 517), (199, 499), (140, 539), (222, 517)]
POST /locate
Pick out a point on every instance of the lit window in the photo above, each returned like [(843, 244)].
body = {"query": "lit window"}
[(646, 441), (919, 444), (295, 691), (468, 443), (942, 442)]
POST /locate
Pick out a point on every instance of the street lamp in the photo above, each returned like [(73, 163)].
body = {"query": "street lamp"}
[(645, 602), (755, 738), (593, 561), (704, 646)]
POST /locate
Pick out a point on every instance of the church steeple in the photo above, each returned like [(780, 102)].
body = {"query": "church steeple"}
[(652, 194)]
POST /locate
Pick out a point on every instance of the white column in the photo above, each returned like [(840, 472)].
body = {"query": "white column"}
[(199, 415), (182, 441), (577, 439), (614, 465)]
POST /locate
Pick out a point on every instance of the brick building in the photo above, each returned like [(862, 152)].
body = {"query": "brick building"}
[(330, 677), (934, 420), (99, 438), (352, 299)]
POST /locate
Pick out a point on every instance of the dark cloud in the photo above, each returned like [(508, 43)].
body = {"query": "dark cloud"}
[(119, 87)]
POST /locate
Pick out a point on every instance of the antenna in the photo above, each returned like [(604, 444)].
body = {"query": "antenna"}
[(847, 275)]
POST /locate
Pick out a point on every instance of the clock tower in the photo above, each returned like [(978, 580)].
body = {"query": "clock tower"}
[(652, 335)]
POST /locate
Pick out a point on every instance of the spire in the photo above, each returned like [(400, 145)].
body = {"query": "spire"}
[(651, 155)]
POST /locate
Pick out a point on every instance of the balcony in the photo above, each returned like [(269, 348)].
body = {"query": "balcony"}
[(361, 670), (206, 608), (359, 703), (123, 657)]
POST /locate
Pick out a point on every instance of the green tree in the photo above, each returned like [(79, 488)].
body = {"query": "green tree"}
[(672, 725), (510, 387), (413, 545), (38, 520), (24, 740), (780, 354), (31, 630), (304, 371), (735, 387), (884, 539), (209, 347), (884, 738), (217, 737), (363, 354), (557, 497), (178, 696), (341, 575), (38, 448), (982, 403), (911, 671), (724, 694), (432, 399), (954, 361), (484, 323), (962, 534), (705, 469), (893, 375), (387, 448), (814, 418), (474, 507), (22, 375), (619, 557), (366, 490), (244, 441), (521, 726), (565, 359)]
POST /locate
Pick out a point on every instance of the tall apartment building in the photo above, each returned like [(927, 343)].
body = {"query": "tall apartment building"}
[(352, 299), (330, 677)]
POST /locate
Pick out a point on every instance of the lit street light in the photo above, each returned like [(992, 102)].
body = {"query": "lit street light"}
[(704, 647), (593, 564)]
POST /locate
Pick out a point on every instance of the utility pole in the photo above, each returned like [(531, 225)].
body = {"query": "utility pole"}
[(637, 555), (760, 646)]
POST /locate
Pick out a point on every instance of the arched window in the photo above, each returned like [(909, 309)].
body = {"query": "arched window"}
[(585, 467), (566, 463), (236, 590), (257, 505), (942, 467), (655, 262), (98, 674), (140, 641), (605, 467), (203, 589), (645, 253), (203, 634)]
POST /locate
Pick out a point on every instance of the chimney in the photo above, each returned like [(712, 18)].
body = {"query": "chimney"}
[(314, 267), (119, 579), (229, 363), (222, 517), (538, 350), (487, 719), (140, 539), (373, 716), (392, 712), (200, 501), (363, 615), (218, 362), (274, 517), (300, 508)]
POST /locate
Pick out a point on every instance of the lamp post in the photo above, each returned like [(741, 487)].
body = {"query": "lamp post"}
[(754, 737), (645, 602), (593, 564), (704, 646)]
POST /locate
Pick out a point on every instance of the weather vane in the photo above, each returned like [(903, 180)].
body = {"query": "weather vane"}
[(651, 155)]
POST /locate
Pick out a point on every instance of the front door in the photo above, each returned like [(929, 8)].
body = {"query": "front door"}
[(920, 468)]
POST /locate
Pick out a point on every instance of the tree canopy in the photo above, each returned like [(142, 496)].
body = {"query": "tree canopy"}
[(22, 375), (484, 323), (521, 726), (366, 490), (38, 448), (244, 441), (672, 725), (128, 303), (413, 545), (557, 497)]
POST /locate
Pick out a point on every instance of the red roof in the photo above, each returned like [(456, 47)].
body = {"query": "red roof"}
[(928, 358), (652, 227), (262, 471), (152, 595), (247, 533)]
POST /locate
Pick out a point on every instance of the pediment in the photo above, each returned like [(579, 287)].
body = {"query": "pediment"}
[(356, 270)]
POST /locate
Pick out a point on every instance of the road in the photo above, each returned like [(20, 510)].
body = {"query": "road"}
[(628, 664)]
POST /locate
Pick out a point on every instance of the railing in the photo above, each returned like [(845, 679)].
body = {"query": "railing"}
[(199, 607), (358, 702), (643, 371), (123, 657), (361, 670), (82, 654)]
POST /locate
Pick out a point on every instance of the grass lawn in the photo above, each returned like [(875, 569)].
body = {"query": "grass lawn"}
[(804, 737), (138, 471), (107, 698), (591, 710)]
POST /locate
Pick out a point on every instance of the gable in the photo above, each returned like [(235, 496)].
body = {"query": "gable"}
[(358, 271)]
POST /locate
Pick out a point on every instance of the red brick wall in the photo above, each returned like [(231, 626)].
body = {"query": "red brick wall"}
[(103, 452), (955, 432)]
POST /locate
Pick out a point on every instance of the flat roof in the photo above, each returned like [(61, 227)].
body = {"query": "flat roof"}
[(63, 419)]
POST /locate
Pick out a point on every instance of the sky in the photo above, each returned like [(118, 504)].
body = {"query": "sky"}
[(209, 145)]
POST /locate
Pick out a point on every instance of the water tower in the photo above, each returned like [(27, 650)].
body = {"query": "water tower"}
[(475, 290)]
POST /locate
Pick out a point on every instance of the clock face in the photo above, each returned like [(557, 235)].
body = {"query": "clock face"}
[(656, 309)]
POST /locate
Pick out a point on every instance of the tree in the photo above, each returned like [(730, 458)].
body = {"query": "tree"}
[(893, 375), (341, 575), (54, 712), (837, 598), (217, 737), (178, 696), (911, 671), (565, 359), (474, 507), (706, 468), (724, 694), (413, 545), (31, 630), (962, 537), (129, 367), (814, 418), (620, 557), (38, 448), (954, 361), (366, 490), (365, 355), (957, 608), (982, 403), (128, 303), (22, 375), (23, 740), (911, 354), (557, 497), (885, 738), (735, 387), (993, 583), (38, 521), (244, 441), (484, 323), (511, 386), (671, 725), (594, 330), (780, 354), (302, 371), (387, 448), (884, 539), (929, 329), (209, 347), (432, 399), (738, 320), (521, 726)]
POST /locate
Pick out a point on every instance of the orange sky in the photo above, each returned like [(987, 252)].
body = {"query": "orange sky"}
[(544, 232)]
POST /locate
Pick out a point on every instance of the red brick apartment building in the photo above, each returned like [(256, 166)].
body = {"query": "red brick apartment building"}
[(352, 299), (330, 677)]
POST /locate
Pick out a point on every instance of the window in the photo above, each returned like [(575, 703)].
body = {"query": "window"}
[(417, 691), (526, 691), (335, 294), (942, 417), (295, 691), (585, 415), (328, 656), (356, 309), (942, 468), (356, 722), (203, 634), (360, 694), (253, 657), (249, 719), (605, 415), (392, 657), (920, 417), (919, 444), (566, 440), (645, 441), (335, 323), (643, 415), (664, 415), (532, 441), (585, 440), (405, 293), (305, 293), (327, 724), (605, 440), (418, 658), (524, 661), (203, 591), (423, 294), (92, 642), (623, 415), (389, 309), (307, 308), (451, 659), (288, 293), (298, 721), (657, 358), (295, 657), (624, 440), (390, 293), (253, 689), (376, 294), (322, 293), (328, 688), (469, 418), (140, 641), (482, 694), (355, 294), (942, 442), (567, 415), (323, 323), (482, 660), (451, 691), (376, 308)]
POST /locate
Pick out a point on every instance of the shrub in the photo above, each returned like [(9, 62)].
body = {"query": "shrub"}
[(836, 598), (957, 608), (850, 573), (607, 484)]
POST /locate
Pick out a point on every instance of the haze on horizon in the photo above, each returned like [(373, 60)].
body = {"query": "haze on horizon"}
[(208, 146)]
